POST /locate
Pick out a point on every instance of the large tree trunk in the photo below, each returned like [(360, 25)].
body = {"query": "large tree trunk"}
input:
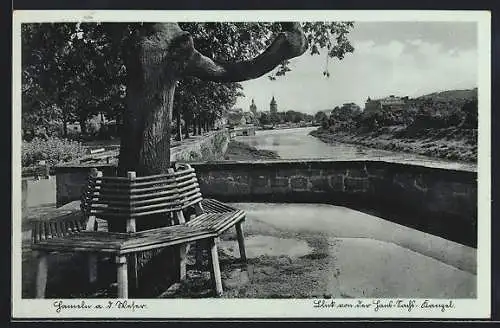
[(153, 69)]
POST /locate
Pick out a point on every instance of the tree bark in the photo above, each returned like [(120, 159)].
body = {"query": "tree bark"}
[(153, 68)]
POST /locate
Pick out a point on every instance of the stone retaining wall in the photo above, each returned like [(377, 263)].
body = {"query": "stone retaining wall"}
[(435, 200), (209, 147), (72, 177)]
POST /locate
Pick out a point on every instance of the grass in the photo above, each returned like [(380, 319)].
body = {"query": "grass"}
[(449, 144)]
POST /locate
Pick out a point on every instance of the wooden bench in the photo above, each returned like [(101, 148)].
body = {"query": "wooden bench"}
[(120, 245), (123, 201), (209, 213)]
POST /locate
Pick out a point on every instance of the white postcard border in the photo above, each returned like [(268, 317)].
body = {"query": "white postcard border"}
[(256, 308)]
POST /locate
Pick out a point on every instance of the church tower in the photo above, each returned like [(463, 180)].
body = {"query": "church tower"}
[(253, 108), (273, 106)]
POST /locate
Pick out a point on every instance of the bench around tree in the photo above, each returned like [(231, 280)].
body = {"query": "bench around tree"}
[(122, 200)]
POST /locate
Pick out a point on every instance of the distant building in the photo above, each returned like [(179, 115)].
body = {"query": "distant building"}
[(392, 103), (273, 107), (253, 108)]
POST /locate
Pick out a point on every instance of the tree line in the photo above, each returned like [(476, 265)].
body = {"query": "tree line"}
[(289, 116), (417, 114), (73, 71)]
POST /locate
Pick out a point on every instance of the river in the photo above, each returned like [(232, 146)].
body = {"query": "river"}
[(298, 144)]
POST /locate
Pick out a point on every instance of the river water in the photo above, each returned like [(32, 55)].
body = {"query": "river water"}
[(298, 144)]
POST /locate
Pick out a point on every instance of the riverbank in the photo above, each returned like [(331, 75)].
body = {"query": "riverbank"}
[(237, 151), (449, 144)]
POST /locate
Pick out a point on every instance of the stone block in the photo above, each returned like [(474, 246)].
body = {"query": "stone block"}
[(357, 184), (298, 183), (376, 173), (286, 172), (319, 184), (403, 181), (336, 182), (238, 188), (420, 184), (279, 182), (309, 172), (357, 172), (260, 181)]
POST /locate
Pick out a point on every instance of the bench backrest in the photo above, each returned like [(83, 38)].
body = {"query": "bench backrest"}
[(57, 227), (188, 187), (134, 197), (130, 197)]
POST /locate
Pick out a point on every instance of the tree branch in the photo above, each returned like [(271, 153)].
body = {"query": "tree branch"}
[(288, 44)]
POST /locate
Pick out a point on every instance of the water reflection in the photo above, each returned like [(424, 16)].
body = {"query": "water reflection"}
[(298, 144)]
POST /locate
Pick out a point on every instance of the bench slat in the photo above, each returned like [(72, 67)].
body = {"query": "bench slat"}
[(122, 243), (217, 221)]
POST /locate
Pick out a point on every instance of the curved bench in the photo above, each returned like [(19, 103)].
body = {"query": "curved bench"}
[(123, 201)]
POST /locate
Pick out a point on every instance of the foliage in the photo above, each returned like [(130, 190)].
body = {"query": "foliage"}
[(72, 71), (343, 118), (53, 150), (69, 73), (435, 111), (320, 117), (265, 119), (470, 110)]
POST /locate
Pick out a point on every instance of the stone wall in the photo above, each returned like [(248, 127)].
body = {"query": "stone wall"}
[(71, 178), (435, 200), (209, 147)]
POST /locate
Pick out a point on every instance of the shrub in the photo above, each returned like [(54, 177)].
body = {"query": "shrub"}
[(53, 150)]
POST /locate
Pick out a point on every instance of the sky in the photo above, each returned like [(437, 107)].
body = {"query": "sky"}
[(390, 58)]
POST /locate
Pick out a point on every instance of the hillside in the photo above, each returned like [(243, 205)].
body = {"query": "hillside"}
[(440, 124), (450, 95)]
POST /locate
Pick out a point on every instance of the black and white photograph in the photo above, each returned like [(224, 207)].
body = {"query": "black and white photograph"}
[(251, 164)]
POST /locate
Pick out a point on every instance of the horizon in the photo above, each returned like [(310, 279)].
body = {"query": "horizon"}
[(412, 58), (360, 105)]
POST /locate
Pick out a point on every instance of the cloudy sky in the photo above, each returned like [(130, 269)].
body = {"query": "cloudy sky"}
[(400, 58)]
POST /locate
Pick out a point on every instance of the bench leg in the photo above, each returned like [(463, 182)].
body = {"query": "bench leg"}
[(92, 267), (41, 275), (121, 263), (241, 241), (215, 268)]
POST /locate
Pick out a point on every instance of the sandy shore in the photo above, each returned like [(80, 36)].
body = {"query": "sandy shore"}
[(449, 144), (237, 151)]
